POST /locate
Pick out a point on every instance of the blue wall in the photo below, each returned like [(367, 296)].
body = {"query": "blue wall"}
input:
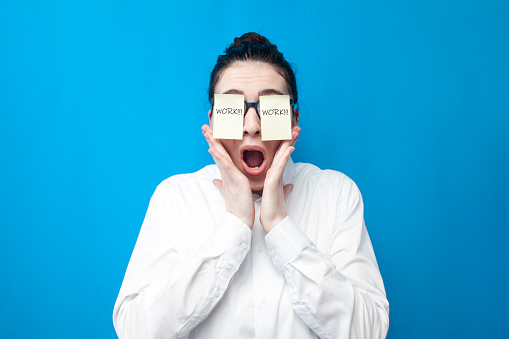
[(102, 100)]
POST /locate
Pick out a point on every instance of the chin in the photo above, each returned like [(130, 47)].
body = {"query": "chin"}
[(257, 184)]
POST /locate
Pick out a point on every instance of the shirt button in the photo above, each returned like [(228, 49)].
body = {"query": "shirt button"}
[(260, 248), (243, 245), (293, 300), (263, 301), (272, 253), (216, 293)]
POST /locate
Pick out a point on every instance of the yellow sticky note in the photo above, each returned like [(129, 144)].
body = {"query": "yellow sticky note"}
[(276, 117), (228, 115)]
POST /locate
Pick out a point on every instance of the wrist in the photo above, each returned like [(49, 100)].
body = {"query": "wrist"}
[(268, 225), (245, 218)]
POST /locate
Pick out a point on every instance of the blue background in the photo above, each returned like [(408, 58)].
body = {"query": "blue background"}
[(102, 100)]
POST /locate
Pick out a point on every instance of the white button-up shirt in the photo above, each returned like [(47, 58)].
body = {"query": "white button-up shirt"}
[(198, 271)]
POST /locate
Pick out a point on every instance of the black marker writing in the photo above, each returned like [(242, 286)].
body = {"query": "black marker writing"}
[(229, 110), (276, 111)]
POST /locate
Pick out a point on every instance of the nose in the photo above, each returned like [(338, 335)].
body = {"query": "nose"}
[(252, 125)]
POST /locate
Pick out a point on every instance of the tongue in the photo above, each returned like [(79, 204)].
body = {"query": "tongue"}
[(253, 158)]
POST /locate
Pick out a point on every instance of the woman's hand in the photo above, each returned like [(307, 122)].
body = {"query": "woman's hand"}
[(272, 209), (234, 185)]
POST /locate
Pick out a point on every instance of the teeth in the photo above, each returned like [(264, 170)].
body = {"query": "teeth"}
[(255, 167)]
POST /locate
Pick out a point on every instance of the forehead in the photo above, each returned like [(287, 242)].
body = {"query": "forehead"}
[(251, 79)]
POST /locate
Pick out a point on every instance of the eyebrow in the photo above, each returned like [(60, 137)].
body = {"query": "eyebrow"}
[(233, 91), (268, 91)]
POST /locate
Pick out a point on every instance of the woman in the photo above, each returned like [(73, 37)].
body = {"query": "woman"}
[(254, 246)]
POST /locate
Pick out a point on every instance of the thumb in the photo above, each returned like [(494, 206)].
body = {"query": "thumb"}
[(287, 189), (219, 185)]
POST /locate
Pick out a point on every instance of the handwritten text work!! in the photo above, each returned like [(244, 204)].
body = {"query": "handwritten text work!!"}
[(229, 110), (276, 111)]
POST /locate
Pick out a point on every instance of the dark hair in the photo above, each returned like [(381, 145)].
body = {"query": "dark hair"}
[(254, 47)]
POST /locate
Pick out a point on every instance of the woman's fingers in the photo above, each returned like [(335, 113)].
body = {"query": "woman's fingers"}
[(225, 165), (286, 144), (281, 163), (295, 134), (214, 143)]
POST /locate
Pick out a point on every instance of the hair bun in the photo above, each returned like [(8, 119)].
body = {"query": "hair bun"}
[(250, 38), (255, 48)]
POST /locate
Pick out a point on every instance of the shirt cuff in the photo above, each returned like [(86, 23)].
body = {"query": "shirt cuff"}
[(285, 242), (231, 236)]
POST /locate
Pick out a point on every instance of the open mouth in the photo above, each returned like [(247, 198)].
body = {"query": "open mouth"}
[(253, 160)]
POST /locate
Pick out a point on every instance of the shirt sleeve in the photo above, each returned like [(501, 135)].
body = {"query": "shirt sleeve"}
[(166, 294), (339, 294)]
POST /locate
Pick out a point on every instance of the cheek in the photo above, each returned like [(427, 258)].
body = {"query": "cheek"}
[(271, 148)]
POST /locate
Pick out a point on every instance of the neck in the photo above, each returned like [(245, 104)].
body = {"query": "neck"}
[(260, 192)]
